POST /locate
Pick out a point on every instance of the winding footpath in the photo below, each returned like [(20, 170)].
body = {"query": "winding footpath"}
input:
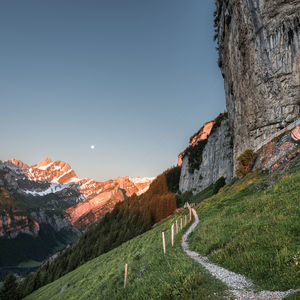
[(240, 286)]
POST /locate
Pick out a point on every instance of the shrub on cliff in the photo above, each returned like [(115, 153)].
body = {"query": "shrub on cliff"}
[(218, 184), (245, 162), (218, 121), (194, 154)]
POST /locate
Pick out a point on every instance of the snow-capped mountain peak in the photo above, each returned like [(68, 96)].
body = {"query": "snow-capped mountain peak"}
[(53, 177)]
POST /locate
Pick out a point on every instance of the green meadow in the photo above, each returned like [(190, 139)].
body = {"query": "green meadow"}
[(151, 274)]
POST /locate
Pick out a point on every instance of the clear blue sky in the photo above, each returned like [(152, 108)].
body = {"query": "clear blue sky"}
[(136, 78)]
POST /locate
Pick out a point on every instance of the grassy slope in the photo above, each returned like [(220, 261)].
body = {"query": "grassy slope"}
[(174, 276), (254, 230)]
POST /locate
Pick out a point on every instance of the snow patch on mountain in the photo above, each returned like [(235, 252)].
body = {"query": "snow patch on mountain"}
[(53, 188), (143, 190), (45, 167), (62, 175), (136, 180)]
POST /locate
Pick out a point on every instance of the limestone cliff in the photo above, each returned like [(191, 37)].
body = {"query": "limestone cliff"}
[(208, 157), (259, 56)]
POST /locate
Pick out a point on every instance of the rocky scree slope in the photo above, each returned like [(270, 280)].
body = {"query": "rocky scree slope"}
[(259, 57)]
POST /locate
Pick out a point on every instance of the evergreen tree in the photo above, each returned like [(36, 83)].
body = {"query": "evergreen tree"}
[(9, 290)]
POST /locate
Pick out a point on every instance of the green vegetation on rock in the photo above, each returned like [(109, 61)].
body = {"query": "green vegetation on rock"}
[(245, 162), (218, 121), (194, 152)]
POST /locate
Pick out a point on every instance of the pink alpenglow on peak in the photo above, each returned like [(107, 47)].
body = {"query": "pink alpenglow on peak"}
[(44, 163), (17, 163), (47, 170), (200, 135)]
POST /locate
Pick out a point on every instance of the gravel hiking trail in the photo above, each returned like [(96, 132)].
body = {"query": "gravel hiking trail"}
[(241, 287)]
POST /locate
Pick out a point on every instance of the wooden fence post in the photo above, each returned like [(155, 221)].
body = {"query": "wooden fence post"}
[(125, 276), (164, 242), (172, 234), (190, 211), (181, 224)]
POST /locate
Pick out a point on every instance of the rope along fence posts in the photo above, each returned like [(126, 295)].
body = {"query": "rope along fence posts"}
[(163, 239)]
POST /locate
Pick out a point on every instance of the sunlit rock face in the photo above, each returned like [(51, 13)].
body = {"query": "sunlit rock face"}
[(216, 157), (90, 210), (101, 197), (200, 135), (13, 220), (18, 163), (259, 49), (47, 170)]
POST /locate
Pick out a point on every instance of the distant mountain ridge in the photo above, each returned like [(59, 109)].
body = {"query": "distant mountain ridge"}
[(96, 198), (48, 200)]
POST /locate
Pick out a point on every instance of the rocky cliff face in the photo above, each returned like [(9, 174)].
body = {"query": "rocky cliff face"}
[(213, 159), (12, 225), (259, 56)]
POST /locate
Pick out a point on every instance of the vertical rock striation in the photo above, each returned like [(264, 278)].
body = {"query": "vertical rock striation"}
[(214, 157), (259, 56)]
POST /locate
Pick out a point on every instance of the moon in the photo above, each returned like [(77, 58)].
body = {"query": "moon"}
[(92, 147)]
